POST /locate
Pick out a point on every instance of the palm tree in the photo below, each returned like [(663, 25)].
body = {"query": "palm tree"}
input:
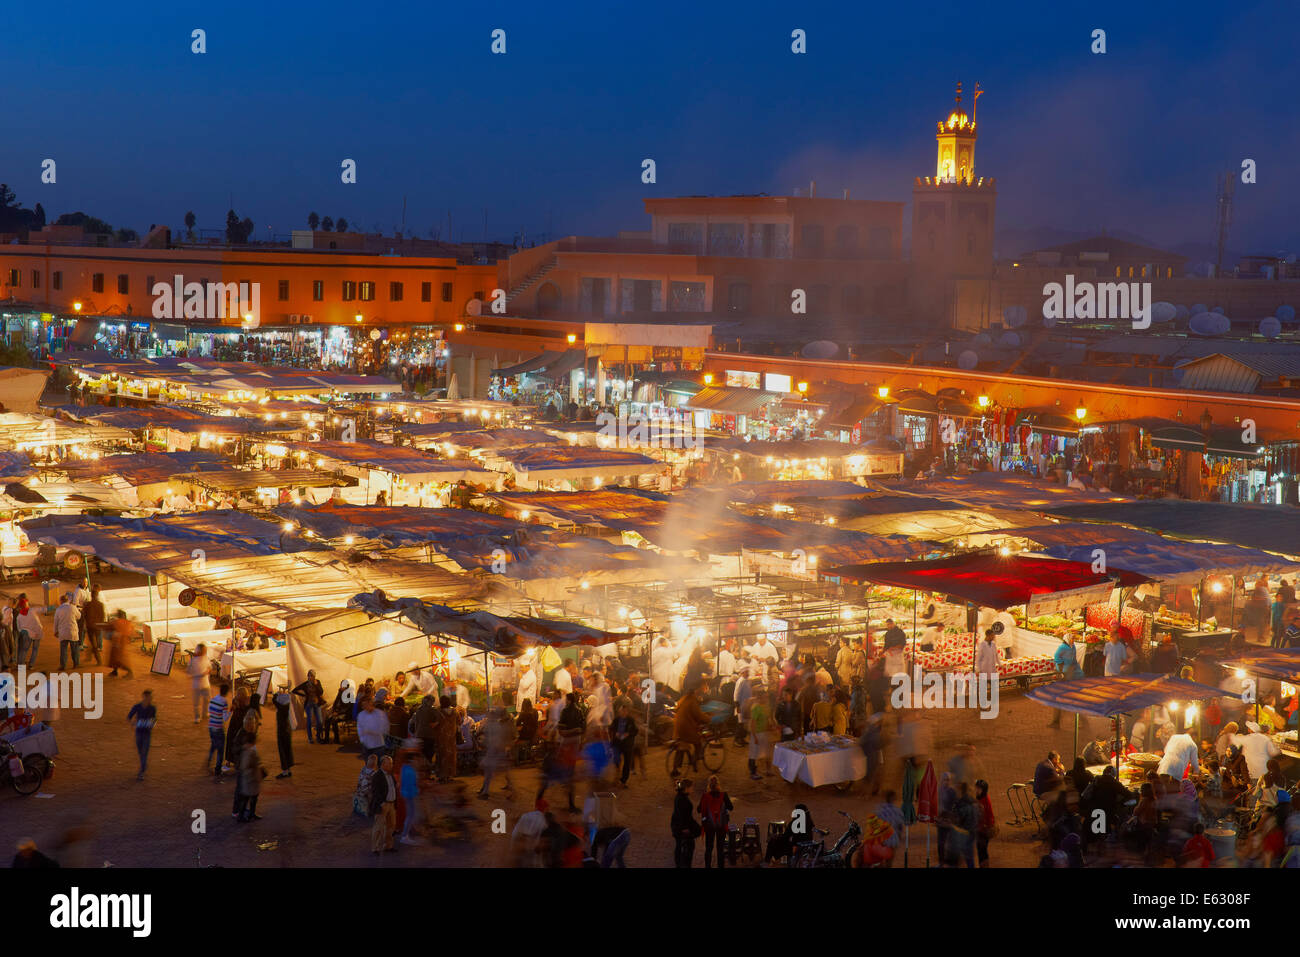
[(342, 226), (327, 224), (313, 221), (190, 220)]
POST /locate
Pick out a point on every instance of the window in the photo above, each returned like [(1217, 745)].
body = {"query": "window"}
[(97, 282), (283, 290), (846, 242), (1130, 272), (738, 295), (1117, 271), (367, 291), (426, 292), (56, 279), (478, 294), (15, 277), (317, 290), (813, 240), (852, 300), (123, 284), (395, 292), (880, 243), (349, 290), (970, 244), (36, 279), (446, 292), (819, 300), (1169, 272)]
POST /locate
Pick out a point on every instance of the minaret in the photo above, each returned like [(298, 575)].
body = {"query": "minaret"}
[(956, 139), (952, 229)]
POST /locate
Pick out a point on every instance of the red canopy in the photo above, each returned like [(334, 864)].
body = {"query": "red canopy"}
[(991, 580)]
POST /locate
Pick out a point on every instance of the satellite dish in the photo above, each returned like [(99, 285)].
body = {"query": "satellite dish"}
[(1225, 325), (1218, 309), (1182, 312), (997, 628), (1015, 316), (1199, 307), (474, 307), (1204, 324), (1009, 340), (1163, 312), (820, 349), (983, 339), (1270, 327), (969, 359), (1286, 313)]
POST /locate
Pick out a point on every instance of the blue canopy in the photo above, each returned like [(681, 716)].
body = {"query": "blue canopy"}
[(1280, 664), (1107, 696)]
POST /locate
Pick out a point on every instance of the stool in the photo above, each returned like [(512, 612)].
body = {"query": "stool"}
[(751, 844)]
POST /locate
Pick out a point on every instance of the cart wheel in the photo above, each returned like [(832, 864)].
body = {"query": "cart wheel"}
[(715, 755)]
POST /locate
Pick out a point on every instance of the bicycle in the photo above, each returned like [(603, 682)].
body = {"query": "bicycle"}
[(713, 752), (25, 772)]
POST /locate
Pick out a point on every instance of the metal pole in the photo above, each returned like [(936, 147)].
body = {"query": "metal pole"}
[(1200, 603), (1076, 734)]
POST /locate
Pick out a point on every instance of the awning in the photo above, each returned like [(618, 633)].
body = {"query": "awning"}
[(1178, 437), (564, 363), (528, 365), (916, 402), (1049, 423), (1121, 694), (993, 581), (732, 400), (1280, 664), (1228, 442), (847, 417)]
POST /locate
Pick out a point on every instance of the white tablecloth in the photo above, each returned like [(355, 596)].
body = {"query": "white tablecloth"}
[(825, 767), (254, 660)]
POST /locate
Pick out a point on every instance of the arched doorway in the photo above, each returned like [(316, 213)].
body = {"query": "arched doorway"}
[(548, 299)]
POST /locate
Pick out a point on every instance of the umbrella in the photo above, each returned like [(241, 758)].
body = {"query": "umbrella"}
[(453, 388), (927, 803)]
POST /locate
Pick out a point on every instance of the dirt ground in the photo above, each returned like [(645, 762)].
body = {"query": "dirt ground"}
[(94, 812)]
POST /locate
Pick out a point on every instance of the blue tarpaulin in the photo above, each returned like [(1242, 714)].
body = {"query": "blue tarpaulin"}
[(1110, 695)]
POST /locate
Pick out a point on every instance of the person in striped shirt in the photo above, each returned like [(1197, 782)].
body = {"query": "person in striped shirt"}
[(218, 708)]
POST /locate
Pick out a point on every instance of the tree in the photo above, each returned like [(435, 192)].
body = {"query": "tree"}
[(245, 230), (342, 226), (89, 224), (40, 216), (232, 227), (313, 221), (125, 235), (327, 224), (190, 220), (7, 196)]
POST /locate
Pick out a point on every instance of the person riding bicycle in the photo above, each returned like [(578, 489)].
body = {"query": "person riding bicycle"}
[(688, 725)]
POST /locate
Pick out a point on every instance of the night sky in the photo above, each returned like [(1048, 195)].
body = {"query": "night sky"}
[(551, 135)]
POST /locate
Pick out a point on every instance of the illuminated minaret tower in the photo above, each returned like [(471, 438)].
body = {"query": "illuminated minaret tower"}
[(952, 229)]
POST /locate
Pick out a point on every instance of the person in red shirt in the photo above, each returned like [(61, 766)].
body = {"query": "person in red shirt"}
[(1198, 851)]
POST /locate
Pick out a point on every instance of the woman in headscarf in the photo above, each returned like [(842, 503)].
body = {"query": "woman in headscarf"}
[(361, 796)]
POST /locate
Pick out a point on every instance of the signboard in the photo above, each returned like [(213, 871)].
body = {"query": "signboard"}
[(264, 684), (164, 653), (776, 382), (1056, 602)]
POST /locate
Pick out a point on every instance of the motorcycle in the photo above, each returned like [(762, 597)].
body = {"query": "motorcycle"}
[(25, 772), (812, 854)]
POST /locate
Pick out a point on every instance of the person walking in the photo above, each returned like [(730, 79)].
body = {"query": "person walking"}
[(80, 598), (372, 727), (94, 619), (283, 702), (235, 728), (312, 693), (383, 807), (143, 714), (218, 708), (622, 736), (409, 786), (759, 727), (715, 812), (499, 739), (685, 829), (249, 784), (121, 637), (199, 671), (30, 632), (8, 636), (66, 617)]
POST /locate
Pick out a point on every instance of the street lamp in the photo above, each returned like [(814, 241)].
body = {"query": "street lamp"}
[(883, 391), (76, 306), (984, 401), (572, 338), (1081, 413), (357, 317)]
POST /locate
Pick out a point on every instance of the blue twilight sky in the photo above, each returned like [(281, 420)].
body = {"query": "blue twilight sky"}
[(550, 136)]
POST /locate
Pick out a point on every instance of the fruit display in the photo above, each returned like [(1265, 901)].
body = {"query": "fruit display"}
[(1104, 615)]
